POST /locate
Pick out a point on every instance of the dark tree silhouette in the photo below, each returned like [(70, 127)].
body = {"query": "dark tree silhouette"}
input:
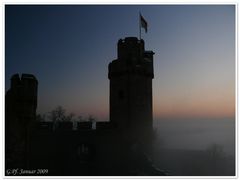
[(57, 114)]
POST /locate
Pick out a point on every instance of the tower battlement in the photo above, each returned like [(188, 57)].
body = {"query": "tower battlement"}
[(21, 98), (132, 58), (130, 49), (27, 82)]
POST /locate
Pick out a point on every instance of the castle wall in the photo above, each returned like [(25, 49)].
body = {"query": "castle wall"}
[(102, 150)]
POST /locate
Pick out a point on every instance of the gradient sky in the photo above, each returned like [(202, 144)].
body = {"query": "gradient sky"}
[(68, 49)]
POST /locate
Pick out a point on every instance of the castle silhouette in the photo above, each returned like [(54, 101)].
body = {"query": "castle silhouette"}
[(116, 147)]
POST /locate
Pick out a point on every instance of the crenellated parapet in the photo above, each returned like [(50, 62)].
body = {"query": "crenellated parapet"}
[(132, 59), (48, 126)]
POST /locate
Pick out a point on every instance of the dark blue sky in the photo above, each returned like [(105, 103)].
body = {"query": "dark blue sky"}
[(68, 49)]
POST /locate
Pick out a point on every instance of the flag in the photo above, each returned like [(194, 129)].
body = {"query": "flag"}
[(143, 23)]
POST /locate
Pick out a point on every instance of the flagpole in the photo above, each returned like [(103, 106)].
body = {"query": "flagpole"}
[(140, 52), (139, 26)]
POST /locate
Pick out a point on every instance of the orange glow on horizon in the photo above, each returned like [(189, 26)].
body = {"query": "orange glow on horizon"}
[(217, 111), (205, 105)]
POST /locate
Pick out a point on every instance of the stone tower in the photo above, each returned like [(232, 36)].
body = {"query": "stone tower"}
[(20, 115), (131, 77)]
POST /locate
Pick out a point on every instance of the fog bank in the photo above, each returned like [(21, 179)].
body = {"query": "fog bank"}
[(196, 134)]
